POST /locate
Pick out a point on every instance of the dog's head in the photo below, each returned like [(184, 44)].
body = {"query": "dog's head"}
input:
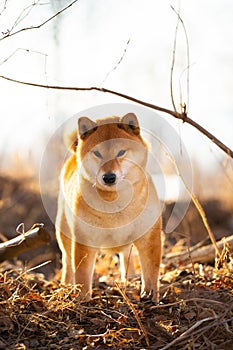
[(110, 151)]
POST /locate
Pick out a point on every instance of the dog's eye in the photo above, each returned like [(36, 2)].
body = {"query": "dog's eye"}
[(121, 153), (97, 154)]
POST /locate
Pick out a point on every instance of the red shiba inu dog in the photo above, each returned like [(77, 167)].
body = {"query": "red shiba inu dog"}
[(107, 201)]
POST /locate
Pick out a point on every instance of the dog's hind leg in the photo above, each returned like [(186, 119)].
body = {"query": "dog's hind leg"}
[(126, 262)]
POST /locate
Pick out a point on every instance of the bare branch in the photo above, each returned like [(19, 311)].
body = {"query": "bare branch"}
[(181, 116), (23, 14), (34, 238), (9, 34)]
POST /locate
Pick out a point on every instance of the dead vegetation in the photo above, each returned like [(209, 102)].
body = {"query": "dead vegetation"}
[(36, 312), (195, 312)]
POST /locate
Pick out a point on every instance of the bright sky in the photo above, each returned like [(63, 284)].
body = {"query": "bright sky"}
[(82, 45)]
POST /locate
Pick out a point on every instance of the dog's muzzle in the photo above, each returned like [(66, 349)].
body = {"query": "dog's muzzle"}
[(109, 178)]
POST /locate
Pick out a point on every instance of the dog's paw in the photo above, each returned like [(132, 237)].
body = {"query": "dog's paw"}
[(149, 297)]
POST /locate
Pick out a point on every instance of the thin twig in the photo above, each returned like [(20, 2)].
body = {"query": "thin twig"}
[(188, 56), (205, 221), (34, 268), (4, 7), (173, 61), (22, 49), (118, 63), (198, 207), (181, 116), (9, 34), (202, 215)]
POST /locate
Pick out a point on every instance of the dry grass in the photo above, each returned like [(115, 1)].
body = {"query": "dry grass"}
[(195, 312)]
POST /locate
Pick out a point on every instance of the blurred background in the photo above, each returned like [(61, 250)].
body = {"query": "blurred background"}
[(81, 47), (126, 46)]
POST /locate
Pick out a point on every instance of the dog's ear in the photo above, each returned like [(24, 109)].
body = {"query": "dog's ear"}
[(71, 141), (130, 124), (86, 127)]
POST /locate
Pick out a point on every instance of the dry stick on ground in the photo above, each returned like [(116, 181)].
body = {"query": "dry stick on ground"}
[(187, 333), (202, 254), (185, 301), (130, 304), (191, 331), (181, 116), (33, 238)]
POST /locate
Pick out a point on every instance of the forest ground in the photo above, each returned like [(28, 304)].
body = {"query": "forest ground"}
[(36, 312)]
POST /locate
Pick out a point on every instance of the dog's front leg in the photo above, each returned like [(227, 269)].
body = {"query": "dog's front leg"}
[(149, 248), (65, 244), (83, 264)]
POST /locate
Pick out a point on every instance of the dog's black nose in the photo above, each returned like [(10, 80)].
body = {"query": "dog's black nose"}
[(109, 178)]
